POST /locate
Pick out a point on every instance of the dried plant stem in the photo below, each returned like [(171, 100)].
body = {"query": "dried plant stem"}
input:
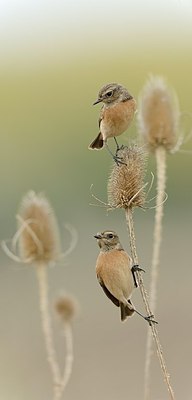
[(41, 269), (129, 219), (160, 154), (69, 355)]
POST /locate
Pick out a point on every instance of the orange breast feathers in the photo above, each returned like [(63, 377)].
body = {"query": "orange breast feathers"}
[(116, 119), (113, 268)]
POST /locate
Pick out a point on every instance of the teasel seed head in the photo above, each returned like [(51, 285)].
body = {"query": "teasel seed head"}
[(126, 182), (158, 114), (39, 235), (66, 307)]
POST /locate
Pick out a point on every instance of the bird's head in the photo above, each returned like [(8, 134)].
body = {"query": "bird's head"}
[(108, 240), (111, 93)]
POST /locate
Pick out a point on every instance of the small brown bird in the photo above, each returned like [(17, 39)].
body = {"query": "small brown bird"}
[(116, 114), (116, 274), (113, 269)]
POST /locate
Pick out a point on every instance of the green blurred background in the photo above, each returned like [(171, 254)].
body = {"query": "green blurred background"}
[(55, 56)]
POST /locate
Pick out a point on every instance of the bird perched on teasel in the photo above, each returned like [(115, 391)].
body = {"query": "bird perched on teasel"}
[(116, 115), (116, 274)]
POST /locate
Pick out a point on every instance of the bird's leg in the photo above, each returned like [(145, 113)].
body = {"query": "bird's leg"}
[(135, 268), (117, 159), (149, 318), (118, 147)]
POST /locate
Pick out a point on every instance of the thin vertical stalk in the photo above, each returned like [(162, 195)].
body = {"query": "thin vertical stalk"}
[(69, 355), (160, 154), (129, 219), (41, 269)]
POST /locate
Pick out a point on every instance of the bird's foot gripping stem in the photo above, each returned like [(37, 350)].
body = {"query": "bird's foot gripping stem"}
[(136, 267), (150, 319)]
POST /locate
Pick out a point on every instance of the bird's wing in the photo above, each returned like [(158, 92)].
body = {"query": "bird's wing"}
[(108, 293)]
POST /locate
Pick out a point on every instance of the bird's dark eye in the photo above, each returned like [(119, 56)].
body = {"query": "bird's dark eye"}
[(109, 94), (110, 236)]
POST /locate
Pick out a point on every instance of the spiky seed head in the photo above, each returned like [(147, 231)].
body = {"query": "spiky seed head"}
[(39, 235), (126, 182), (66, 307), (158, 114)]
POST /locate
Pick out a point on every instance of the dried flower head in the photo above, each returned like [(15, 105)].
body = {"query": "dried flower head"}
[(158, 114), (39, 235), (126, 182), (66, 307)]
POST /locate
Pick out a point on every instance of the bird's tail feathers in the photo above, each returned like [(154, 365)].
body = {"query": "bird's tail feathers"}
[(126, 311), (97, 142)]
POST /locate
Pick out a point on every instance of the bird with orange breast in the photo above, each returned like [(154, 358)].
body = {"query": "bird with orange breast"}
[(116, 273), (116, 114)]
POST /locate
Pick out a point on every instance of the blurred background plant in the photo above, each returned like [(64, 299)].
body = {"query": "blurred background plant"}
[(54, 58), (159, 127), (37, 242)]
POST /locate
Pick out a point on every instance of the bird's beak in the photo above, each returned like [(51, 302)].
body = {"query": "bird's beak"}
[(97, 101), (98, 236)]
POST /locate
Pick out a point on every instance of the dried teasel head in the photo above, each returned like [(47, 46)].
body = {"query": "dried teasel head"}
[(66, 307), (126, 182), (38, 231), (158, 115)]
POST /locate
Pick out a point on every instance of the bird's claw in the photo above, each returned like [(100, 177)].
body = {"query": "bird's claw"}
[(119, 148), (136, 267), (150, 319), (118, 160)]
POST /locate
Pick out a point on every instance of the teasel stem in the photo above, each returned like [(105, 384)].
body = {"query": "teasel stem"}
[(66, 308), (160, 154), (41, 270), (67, 331), (154, 332)]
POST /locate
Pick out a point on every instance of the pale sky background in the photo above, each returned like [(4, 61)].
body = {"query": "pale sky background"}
[(52, 25)]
